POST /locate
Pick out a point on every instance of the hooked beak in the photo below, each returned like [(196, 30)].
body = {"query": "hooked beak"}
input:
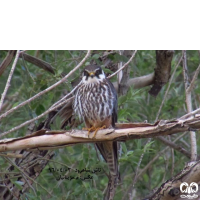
[(91, 74)]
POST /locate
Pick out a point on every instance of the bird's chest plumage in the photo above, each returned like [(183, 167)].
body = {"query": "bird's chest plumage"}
[(94, 102)]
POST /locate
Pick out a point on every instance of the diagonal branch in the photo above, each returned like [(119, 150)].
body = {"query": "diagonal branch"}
[(36, 61), (125, 65)]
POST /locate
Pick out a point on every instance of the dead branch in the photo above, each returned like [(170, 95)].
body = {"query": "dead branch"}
[(44, 139)]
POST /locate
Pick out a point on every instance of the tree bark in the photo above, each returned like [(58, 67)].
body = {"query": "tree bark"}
[(162, 70)]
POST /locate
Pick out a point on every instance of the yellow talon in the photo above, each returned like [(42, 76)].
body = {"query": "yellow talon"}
[(89, 130), (93, 129), (100, 128)]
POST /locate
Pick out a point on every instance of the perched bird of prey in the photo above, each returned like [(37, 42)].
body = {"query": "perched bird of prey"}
[(95, 103)]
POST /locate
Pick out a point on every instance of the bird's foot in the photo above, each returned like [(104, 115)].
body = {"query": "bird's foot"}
[(100, 128), (89, 130), (93, 129)]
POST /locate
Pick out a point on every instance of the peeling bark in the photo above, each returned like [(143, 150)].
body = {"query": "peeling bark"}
[(44, 139)]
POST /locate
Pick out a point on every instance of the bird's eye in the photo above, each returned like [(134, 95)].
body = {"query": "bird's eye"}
[(97, 72), (85, 73)]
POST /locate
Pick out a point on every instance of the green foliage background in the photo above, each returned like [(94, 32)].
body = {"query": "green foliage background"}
[(136, 106)]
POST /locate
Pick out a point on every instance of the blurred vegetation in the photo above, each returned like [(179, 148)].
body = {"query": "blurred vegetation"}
[(136, 106)]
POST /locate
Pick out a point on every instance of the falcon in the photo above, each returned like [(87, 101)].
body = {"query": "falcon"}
[(95, 103)]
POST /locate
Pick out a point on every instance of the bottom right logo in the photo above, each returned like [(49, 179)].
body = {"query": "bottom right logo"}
[(189, 190)]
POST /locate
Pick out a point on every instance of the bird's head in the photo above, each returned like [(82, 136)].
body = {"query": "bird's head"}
[(93, 74)]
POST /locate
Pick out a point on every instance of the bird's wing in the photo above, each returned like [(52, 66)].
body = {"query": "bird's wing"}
[(115, 103)]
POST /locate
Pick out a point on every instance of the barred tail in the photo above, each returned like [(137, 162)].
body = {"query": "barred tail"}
[(109, 152)]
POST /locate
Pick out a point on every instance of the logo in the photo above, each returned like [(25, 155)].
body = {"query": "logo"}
[(189, 190)]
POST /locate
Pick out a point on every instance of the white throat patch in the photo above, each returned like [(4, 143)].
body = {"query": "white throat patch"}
[(94, 79)]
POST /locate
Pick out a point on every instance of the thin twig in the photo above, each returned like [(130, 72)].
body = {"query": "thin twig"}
[(172, 77), (9, 79), (125, 65), (36, 118), (48, 89), (188, 96), (174, 146), (189, 114)]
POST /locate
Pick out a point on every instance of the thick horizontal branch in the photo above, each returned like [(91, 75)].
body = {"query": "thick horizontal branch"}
[(44, 139)]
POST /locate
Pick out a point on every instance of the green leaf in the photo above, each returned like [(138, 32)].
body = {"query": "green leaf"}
[(122, 100), (147, 146), (40, 109), (95, 56), (120, 58), (106, 70), (129, 153), (124, 148)]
